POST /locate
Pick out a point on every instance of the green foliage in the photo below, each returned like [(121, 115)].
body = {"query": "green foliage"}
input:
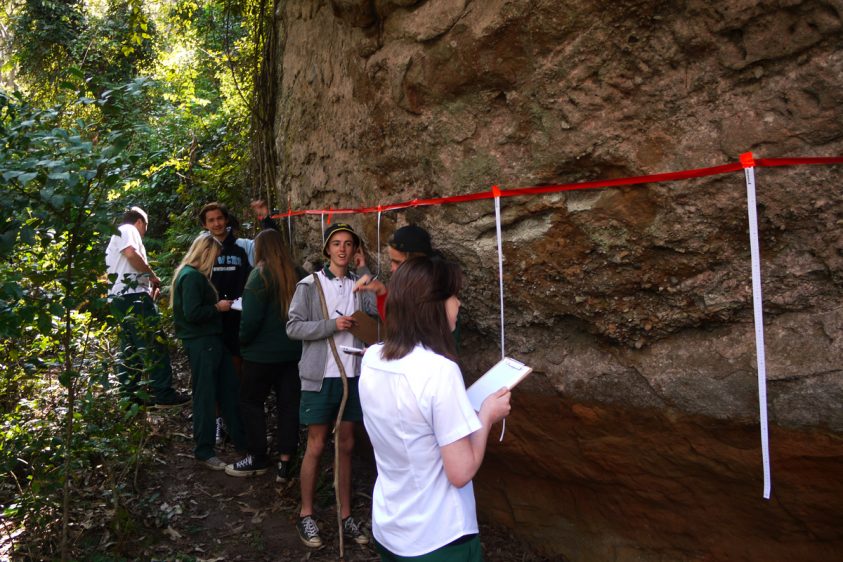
[(56, 213), (105, 447), (119, 102), (45, 33)]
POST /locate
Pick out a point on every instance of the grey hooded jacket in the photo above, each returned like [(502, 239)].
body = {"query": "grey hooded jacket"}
[(308, 324)]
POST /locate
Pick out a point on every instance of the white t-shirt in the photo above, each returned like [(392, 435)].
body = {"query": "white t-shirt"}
[(129, 280), (411, 407), (339, 297)]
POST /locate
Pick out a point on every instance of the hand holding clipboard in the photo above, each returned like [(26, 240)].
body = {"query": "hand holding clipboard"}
[(506, 373)]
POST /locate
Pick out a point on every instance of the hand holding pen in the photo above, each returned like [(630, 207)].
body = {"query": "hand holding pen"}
[(344, 322)]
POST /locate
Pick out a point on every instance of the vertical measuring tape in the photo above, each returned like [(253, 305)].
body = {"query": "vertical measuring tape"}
[(379, 242), (379, 263), (758, 315), (496, 191)]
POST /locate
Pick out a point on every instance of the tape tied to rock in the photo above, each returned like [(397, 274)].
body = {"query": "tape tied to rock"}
[(746, 163)]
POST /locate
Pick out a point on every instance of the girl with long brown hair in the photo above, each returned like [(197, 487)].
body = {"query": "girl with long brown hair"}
[(428, 441), (270, 358)]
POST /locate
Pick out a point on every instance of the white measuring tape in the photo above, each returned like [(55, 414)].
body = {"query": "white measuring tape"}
[(500, 280), (290, 232), (500, 267), (758, 316)]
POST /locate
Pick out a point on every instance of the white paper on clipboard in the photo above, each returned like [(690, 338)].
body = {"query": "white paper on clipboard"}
[(237, 304), (506, 373)]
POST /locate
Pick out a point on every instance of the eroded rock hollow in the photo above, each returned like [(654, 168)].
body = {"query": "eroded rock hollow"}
[(637, 437)]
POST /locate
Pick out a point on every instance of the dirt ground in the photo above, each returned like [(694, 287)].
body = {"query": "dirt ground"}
[(193, 513)]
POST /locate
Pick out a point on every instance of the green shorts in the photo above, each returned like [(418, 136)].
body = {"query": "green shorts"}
[(464, 549), (322, 407)]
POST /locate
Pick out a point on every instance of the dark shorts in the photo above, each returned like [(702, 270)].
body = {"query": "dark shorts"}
[(464, 549), (322, 407)]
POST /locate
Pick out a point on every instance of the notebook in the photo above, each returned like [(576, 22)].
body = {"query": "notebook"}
[(506, 373)]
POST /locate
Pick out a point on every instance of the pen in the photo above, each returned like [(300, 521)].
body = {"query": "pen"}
[(340, 313)]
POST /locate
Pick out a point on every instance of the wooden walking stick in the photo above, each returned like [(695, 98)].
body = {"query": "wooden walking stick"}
[(344, 378)]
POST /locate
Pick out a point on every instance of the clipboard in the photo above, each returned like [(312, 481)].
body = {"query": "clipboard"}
[(506, 373), (237, 304), (365, 328)]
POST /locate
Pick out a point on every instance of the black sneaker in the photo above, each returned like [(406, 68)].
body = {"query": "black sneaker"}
[(247, 466), (353, 530), (174, 400), (284, 473), (309, 532), (221, 434)]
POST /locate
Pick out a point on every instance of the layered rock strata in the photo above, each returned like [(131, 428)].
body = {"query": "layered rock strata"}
[(637, 437)]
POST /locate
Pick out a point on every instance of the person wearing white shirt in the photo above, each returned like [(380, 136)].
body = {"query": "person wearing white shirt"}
[(134, 286), (428, 440), (320, 373)]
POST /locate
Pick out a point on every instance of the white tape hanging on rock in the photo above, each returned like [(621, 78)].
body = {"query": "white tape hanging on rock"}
[(379, 245), (758, 315), (500, 284), (500, 268), (290, 232), (377, 275)]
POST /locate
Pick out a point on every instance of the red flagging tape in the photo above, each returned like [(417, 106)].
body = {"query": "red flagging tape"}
[(772, 162), (746, 160)]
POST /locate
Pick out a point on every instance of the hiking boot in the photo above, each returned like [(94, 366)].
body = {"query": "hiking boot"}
[(214, 463), (309, 532), (221, 434), (353, 530), (284, 473), (247, 466), (174, 400)]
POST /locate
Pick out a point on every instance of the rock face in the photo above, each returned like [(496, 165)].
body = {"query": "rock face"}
[(637, 437)]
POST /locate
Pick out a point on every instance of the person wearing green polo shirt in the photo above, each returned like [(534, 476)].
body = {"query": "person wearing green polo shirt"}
[(197, 315), (270, 358), (320, 373)]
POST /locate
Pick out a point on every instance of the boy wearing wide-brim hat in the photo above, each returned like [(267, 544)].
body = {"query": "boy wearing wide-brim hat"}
[(321, 373)]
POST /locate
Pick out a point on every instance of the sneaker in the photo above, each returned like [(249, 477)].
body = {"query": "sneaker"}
[(309, 532), (283, 474), (174, 400), (354, 530), (214, 463), (247, 466), (221, 434)]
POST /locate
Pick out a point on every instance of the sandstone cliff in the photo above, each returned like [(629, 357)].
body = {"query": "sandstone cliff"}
[(637, 437)]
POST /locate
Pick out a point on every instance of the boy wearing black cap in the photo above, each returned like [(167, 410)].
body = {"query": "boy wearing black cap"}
[(321, 367), (407, 242)]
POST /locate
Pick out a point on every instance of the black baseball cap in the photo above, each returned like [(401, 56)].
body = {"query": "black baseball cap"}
[(411, 239), (333, 229)]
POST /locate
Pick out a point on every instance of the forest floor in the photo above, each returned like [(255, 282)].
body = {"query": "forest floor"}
[(193, 513)]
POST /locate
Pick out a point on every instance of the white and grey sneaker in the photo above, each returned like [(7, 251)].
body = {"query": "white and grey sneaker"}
[(214, 463)]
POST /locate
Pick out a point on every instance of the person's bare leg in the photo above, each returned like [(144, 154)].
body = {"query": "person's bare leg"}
[(346, 441), (316, 437)]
